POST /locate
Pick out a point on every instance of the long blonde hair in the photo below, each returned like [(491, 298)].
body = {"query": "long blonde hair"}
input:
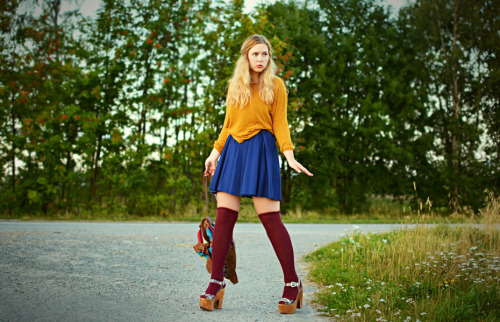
[(240, 93)]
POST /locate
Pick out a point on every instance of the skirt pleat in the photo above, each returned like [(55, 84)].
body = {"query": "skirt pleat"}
[(250, 168)]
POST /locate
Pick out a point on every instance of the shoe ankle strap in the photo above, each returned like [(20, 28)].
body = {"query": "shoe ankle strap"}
[(293, 284), (217, 282)]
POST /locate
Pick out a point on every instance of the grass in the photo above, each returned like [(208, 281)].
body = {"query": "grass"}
[(424, 273), (381, 212), (383, 209), (247, 215)]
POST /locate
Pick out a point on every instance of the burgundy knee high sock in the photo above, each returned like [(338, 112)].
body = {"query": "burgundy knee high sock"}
[(223, 235), (282, 244)]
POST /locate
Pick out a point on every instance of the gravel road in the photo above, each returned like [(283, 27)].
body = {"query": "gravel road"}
[(74, 271)]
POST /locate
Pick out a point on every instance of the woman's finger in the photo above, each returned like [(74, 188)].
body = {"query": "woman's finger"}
[(296, 167), (305, 170)]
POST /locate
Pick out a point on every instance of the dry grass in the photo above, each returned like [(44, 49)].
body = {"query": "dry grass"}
[(425, 273)]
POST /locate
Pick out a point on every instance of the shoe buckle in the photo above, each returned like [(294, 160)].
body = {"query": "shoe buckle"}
[(221, 283)]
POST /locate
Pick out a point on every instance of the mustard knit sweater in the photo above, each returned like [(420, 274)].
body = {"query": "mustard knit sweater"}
[(244, 123)]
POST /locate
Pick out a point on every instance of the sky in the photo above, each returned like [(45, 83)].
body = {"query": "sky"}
[(89, 7)]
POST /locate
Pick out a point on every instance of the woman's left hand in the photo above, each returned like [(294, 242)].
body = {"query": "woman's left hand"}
[(294, 164), (211, 163)]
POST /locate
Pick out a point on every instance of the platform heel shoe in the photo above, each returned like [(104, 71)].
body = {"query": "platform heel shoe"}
[(287, 306), (209, 302)]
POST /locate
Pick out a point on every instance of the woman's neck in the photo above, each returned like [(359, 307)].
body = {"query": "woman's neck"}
[(254, 78)]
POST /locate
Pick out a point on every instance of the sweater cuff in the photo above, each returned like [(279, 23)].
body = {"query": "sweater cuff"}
[(218, 147), (286, 146)]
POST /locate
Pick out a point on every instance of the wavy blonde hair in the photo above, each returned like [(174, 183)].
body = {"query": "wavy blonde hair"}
[(239, 93)]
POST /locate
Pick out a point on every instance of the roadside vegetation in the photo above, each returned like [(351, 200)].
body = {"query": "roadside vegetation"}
[(438, 273), (380, 211)]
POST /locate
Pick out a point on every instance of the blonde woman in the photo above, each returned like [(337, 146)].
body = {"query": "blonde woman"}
[(249, 166)]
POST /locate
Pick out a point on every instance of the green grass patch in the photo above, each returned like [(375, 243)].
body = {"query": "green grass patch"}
[(247, 214), (438, 273)]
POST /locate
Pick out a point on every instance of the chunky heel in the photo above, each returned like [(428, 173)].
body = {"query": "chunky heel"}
[(299, 299), (209, 301), (287, 306), (219, 298)]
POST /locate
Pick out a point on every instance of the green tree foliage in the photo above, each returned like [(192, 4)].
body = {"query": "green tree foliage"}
[(117, 113), (352, 103), (458, 50), (37, 106)]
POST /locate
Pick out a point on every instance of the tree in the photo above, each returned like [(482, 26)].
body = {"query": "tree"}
[(460, 55)]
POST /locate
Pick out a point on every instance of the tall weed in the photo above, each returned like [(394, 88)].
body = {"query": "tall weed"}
[(428, 273)]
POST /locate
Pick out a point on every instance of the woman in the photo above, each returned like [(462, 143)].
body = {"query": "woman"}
[(249, 166)]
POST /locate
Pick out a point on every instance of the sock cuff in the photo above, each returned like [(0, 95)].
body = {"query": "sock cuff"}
[(269, 213), (227, 211)]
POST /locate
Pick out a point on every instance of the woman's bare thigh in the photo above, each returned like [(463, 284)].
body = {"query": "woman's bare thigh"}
[(227, 200), (263, 205)]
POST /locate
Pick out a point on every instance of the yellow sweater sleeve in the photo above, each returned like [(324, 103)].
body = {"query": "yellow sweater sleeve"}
[(279, 117), (221, 141)]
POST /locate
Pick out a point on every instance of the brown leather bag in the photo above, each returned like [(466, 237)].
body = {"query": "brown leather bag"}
[(206, 225)]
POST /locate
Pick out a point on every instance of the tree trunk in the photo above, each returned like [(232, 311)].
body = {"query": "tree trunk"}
[(13, 129), (452, 69), (455, 145), (96, 168)]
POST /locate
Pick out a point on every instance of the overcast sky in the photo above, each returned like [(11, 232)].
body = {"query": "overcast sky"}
[(89, 7)]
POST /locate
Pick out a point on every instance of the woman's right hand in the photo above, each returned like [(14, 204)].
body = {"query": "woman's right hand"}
[(211, 163)]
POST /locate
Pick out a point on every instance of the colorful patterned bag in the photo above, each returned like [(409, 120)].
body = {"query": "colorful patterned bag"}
[(204, 249), (204, 246)]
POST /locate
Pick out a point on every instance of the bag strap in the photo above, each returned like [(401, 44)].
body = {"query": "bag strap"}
[(206, 191)]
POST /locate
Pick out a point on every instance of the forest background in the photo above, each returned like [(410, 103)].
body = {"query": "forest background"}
[(116, 114)]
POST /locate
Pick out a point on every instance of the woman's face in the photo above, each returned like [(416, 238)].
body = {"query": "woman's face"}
[(258, 57)]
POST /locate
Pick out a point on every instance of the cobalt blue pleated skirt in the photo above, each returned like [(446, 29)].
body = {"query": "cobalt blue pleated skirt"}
[(250, 168)]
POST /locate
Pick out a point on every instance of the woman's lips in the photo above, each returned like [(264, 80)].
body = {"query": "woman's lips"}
[(259, 65)]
